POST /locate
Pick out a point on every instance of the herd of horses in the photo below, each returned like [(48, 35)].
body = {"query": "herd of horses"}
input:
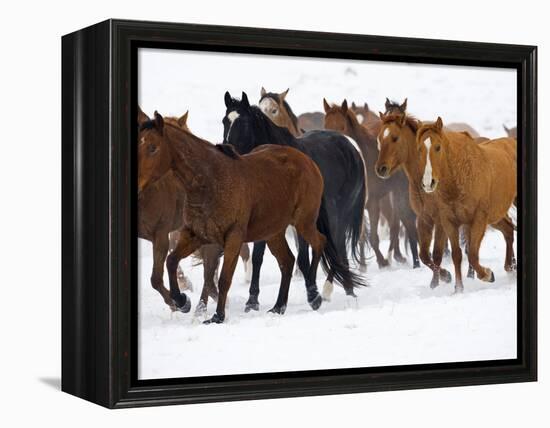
[(319, 173)]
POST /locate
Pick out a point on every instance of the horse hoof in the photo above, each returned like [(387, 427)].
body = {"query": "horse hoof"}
[(434, 284), (216, 319), (251, 307), (459, 289), (492, 278), (400, 259), (471, 273), (445, 275), (416, 264), (383, 263), (201, 308), (362, 267), (328, 288), (316, 302), (183, 303), (350, 293), (278, 309)]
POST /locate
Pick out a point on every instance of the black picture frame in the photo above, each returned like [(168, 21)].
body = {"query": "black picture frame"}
[(99, 275)]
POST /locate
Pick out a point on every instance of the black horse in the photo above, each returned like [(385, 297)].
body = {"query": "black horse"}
[(341, 165)]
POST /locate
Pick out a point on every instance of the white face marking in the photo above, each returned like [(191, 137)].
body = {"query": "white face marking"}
[(232, 116), (267, 106), (384, 135), (360, 118), (142, 141), (427, 177), (386, 132)]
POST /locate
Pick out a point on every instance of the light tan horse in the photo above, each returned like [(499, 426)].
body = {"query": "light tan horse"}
[(275, 107), (474, 185)]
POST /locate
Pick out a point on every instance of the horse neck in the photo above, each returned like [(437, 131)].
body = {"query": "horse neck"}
[(273, 134), (411, 166), (367, 143), (191, 156)]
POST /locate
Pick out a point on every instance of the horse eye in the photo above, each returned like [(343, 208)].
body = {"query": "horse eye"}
[(152, 148), (394, 139), (274, 111), (437, 148)]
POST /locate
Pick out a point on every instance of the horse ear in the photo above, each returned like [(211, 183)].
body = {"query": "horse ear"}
[(439, 123), (506, 129), (263, 92), (326, 106), (382, 115), (388, 104), (182, 121), (353, 106), (404, 105), (244, 99), (345, 106), (142, 117), (159, 122), (283, 95), (366, 107), (228, 100)]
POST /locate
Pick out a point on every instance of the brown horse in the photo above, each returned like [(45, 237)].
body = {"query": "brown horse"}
[(341, 118), (366, 117), (275, 107), (474, 185), (311, 121), (231, 199), (397, 142), (160, 215)]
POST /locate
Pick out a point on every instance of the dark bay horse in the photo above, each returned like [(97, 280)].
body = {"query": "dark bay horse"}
[(474, 185), (160, 216), (341, 118), (342, 168), (231, 199)]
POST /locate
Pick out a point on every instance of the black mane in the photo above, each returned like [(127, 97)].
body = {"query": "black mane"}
[(228, 150), (277, 99), (253, 128)]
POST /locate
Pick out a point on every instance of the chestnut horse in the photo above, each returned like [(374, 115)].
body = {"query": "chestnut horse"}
[(474, 185), (365, 116), (341, 118), (227, 201)]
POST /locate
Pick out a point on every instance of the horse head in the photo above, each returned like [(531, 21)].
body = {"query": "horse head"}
[(431, 144), (153, 157)]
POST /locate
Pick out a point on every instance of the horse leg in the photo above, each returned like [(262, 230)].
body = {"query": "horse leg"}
[(310, 235), (477, 231), (390, 212), (210, 255), (279, 248), (247, 262), (506, 227), (254, 290), (456, 252), (187, 244), (409, 221), (373, 209), (440, 244), (160, 249), (425, 228), (231, 249), (464, 238)]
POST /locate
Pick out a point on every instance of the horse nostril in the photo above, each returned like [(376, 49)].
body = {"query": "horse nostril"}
[(432, 184), (382, 170)]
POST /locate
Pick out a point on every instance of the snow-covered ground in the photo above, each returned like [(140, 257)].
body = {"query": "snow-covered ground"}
[(398, 319)]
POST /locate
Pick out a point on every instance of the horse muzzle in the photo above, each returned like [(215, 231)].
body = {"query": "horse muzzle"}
[(383, 171), (429, 188)]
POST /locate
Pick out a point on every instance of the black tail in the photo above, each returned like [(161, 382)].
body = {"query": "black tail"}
[(354, 227), (330, 259)]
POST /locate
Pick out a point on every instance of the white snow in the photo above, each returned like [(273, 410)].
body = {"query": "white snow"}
[(398, 319)]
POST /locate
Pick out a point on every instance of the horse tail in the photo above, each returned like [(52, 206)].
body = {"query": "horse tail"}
[(331, 261)]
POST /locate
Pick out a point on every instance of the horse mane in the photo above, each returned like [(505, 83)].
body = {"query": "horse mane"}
[(411, 121), (265, 130), (148, 124), (277, 99), (428, 127)]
